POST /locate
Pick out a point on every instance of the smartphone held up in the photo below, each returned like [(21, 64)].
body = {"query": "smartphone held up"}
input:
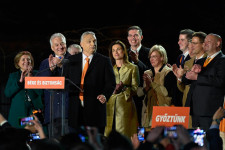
[(26, 121)]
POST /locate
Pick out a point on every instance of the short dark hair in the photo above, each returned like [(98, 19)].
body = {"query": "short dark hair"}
[(200, 35), (188, 33), (135, 28)]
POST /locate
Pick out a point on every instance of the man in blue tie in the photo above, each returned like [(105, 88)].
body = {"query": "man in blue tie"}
[(184, 38), (184, 45)]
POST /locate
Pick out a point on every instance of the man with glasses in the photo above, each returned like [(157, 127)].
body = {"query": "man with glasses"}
[(207, 90), (197, 45)]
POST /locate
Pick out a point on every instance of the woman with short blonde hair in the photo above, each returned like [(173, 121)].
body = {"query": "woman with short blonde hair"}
[(159, 84)]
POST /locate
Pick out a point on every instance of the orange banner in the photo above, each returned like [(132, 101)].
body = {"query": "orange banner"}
[(170, 116), (44, 82)]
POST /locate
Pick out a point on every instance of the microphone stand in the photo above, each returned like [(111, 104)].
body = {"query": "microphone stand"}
[(63, 109), (74, 84), (63, 106), (52, 96), (45, 69), (63, 102)]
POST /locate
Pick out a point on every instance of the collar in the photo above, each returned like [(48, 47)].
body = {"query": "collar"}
[(162, 67), (214, 55), (186, 54), (84, 56), (199, 57), (138, 49), (59, 56), (153, 71)]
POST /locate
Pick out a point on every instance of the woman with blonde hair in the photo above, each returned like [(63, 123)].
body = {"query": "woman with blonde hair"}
[(159, 84)]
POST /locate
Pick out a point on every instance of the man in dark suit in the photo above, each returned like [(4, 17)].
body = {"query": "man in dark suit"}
[(183, 42), (184, 46), (138, 54), (209, 88), (52, 67), (87, 105)]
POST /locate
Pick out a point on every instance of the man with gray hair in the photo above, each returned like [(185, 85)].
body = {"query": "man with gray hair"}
[(94, 74), (49, 67), (74, 49)]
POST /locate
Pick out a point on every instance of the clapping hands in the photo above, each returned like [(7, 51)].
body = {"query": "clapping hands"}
[(148, 80), (119, 88), (133, 56), (27, 72), (54, 61), (193, 74)]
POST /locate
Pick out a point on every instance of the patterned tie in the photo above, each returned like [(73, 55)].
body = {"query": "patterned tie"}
[(207, 61), (181, 59), (81, 95), (136, 52)]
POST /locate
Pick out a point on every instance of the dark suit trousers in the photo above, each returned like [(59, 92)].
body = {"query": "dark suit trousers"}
[(202, 122), (82, 120)]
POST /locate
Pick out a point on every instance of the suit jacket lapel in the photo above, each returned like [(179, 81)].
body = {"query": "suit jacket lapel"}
[(80, 61), (214, 60), (93, 62), (189, 64), (140, 53), (123, 71), (187, 58)]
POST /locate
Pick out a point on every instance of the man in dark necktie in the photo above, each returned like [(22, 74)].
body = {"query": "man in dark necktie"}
[(182, 83), (184, 40), (87, 107), (208, 93), (138, 54), (184, 45)]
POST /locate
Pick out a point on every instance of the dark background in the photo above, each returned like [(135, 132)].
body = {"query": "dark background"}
[(28, 26)]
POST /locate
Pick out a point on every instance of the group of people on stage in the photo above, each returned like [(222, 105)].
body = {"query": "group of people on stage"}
[(118, 92)]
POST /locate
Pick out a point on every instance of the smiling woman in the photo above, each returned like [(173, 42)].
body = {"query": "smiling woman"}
[(159, 84), (24, 101)]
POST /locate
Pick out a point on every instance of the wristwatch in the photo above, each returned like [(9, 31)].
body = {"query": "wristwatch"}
[(217, 121)]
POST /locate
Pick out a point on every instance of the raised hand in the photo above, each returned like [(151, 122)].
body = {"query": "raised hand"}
[(54, 61), (36, 127), (155, 134), (29, 71), (119, 88), (134, 140), (178, 72), (193, 74), (219, 114), (51, 62), (26, 71), (133, 56), (196, 68), (148, 80)]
